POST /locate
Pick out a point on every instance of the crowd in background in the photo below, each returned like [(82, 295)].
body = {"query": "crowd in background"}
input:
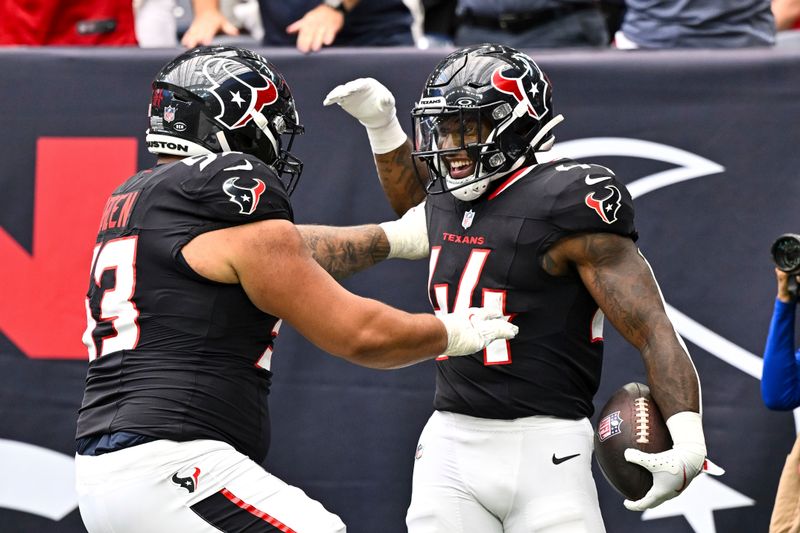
[(311, 25)]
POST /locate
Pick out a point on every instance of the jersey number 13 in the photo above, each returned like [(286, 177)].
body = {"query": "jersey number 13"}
[(111, 322)]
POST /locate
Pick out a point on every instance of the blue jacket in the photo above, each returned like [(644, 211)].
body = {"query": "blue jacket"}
[(780, 382)]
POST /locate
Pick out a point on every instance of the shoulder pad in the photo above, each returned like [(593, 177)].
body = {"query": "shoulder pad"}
[(591, 199), (236, 187)]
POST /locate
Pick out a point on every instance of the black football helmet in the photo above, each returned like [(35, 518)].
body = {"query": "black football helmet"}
[(225, 99), (497, 102)]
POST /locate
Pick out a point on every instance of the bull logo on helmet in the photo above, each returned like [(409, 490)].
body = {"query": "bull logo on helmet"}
[(240, 91), (245, 197), (516, 88), (607, 206)]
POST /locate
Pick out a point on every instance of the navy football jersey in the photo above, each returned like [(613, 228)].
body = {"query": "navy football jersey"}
[(488, 253), (172, 354)]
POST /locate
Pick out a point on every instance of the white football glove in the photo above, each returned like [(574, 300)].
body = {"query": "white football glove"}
[(673, 469), (408, 235), (372, 104), (472, 329)]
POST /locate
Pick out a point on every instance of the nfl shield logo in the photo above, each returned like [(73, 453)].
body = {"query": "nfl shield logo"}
[(466, 222), (609, 426), (169, 113)]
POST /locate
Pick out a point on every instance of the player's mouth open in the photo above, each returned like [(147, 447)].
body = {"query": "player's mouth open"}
[(460, 167)]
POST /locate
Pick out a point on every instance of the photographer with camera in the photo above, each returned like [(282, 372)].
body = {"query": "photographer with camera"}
[(780, 382)]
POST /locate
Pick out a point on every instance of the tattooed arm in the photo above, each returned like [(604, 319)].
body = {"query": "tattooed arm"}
[(402, 185), (345, 251), (622, 284), (373, 105)]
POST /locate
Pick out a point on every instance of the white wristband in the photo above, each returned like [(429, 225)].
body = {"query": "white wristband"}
[(408, 235), (686, 430), (386, 138)]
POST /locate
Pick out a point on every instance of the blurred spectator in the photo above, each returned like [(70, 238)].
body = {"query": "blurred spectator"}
[(613, 11), (531, 23), (67, 22), (787, 14), (696, 24), (207, 22), (221, 21), (787, 21), (311, 24), (440, 23), (156, 25), (247, 16), (159, 23)]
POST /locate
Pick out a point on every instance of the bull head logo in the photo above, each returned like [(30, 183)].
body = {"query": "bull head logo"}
[(245, 197), (189, 483), (608, 206), (516, 88), (239, 91)]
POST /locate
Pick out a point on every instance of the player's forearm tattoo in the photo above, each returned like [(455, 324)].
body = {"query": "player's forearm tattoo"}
[(345, 251), (403, 186), (623, 285), (619, 284)]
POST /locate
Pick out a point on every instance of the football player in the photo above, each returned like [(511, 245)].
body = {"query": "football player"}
[(551, 245), (195, 265)]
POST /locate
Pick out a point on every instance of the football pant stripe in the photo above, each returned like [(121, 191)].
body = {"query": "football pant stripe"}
[(230, 514)]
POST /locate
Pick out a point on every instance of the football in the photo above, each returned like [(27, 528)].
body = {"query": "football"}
[(630, 419)]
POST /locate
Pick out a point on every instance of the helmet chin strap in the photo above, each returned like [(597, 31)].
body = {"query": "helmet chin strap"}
[(546, 145), (223, 141), (469, 193), (545, 130), (263, 124), (552, 123)]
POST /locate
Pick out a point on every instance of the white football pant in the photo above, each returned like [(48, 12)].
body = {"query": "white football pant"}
[(529, 475), (199, 486)]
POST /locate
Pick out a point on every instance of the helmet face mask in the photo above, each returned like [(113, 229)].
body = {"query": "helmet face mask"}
[(457, 144), (497, 87), (220, 99)]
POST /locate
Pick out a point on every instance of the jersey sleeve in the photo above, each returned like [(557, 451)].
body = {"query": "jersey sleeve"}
[(780, 382), (593, 200), (233, 188)]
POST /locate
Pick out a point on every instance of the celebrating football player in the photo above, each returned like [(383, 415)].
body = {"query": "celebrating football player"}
[(549, 245), (196, 263)]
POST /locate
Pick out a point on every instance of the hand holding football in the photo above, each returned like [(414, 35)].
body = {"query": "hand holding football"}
[(630, 419)]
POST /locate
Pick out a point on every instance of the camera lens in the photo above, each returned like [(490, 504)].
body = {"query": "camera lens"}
[(786, 253)]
